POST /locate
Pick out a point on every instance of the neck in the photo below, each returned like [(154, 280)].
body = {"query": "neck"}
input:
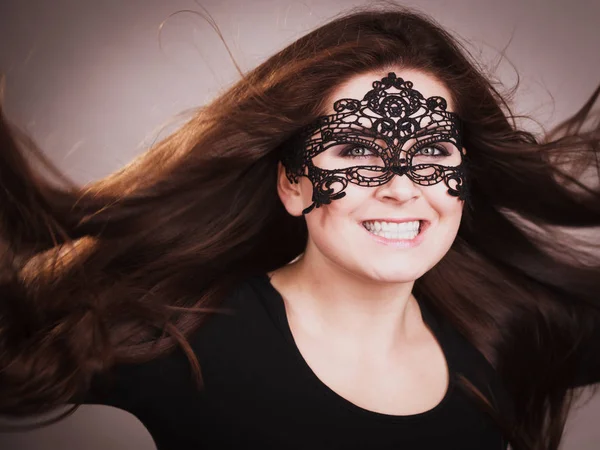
[(329, 302)]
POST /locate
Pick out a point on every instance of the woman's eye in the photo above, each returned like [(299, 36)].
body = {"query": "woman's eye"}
[(357, 151), (432, 151)]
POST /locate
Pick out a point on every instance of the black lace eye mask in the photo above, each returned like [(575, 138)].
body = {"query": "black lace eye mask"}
[(393, 130)]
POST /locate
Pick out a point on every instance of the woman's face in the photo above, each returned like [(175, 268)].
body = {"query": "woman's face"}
[(370, 232)]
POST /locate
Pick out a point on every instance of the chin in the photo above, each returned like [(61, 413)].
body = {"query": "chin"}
[(395, 276)]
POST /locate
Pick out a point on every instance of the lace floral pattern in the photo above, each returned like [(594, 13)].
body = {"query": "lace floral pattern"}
[(394, 122)]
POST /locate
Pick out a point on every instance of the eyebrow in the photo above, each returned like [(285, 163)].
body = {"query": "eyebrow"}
[(447, 126)]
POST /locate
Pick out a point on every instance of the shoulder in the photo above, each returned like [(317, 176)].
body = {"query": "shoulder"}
[(246, 321), (250, 299)]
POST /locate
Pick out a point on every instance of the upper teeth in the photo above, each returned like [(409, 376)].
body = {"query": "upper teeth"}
[(393, 230), (392, 226)]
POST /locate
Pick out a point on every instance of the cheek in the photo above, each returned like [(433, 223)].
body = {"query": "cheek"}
[(333, 216), (448, 210), (338, 208), (335, 224), (447, 206)]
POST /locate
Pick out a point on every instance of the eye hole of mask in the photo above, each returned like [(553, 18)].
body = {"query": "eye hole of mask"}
[(443, 153), (342, 155), (339, 156)]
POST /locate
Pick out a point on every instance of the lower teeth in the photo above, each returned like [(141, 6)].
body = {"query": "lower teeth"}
[(395, 236)]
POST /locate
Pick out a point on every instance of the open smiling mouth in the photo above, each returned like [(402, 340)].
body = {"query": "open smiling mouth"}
[(397, 231)]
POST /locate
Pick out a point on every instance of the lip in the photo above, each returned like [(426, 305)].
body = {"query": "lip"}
[(399, 243)]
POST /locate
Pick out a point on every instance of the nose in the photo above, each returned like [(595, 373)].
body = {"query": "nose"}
[(399, 188)]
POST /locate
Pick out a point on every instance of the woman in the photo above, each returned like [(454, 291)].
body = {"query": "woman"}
[(339, 249)]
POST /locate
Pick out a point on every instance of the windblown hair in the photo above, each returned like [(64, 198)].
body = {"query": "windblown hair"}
[(125, 269)]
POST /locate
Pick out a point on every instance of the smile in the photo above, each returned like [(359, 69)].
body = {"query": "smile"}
[(407, 233)]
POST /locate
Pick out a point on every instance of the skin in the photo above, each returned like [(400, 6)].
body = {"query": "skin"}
[(349, 298)]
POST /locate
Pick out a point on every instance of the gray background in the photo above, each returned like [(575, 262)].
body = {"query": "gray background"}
[(90, 82)]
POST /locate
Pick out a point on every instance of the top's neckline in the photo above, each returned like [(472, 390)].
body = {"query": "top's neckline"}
[(277, 306)]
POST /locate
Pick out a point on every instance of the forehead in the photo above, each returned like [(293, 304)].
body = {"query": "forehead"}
[(357, 86)]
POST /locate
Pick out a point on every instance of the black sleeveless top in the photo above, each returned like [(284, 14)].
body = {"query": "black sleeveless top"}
[(260, 393)]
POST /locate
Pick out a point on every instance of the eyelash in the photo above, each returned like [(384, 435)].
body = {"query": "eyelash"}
[(443, 151), (346, 151)]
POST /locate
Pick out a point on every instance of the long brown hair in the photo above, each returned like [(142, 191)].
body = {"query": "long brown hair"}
[(123, 270)]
